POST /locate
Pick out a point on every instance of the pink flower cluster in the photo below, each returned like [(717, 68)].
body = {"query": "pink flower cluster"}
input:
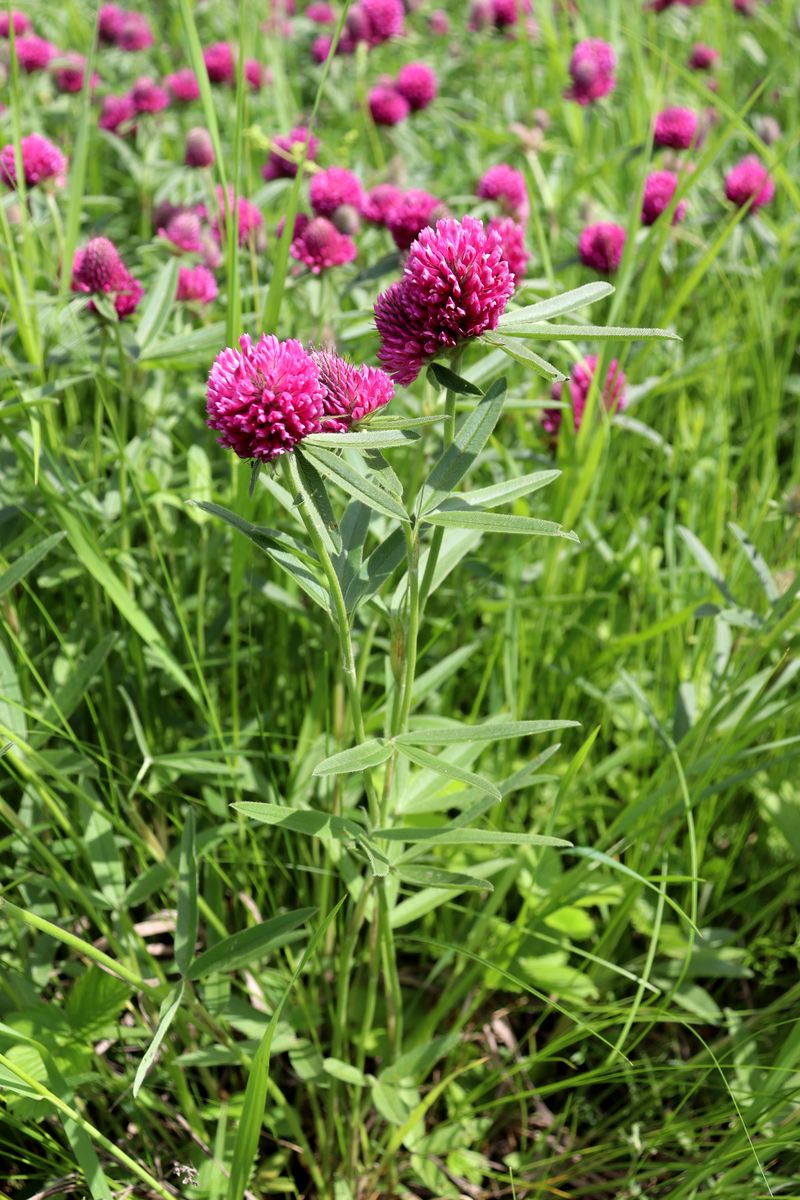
[(455, 286), (41, 160), (392, 100), (126, 30), (506, 186), (369, 22), (98, 270), (266, 397), (580, 381), (319, 245), (749, 183), (282, 161), (591, 69), (499, 14)]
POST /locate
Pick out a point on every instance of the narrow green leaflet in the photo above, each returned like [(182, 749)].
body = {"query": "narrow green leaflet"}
[(449, 880), (27, 561), (566, 333), (471, 436), (757, 562), (417, 1064), (449, 770), (249, 946), (301, 820), (160, 300), (307, 479), (186, 923), (360, 758), (446, 835), (487, 522), (556, 306), (373, 438), (489, 731), (528, 358), (509, 490), (355, 484), (438, 373), (344, 1072), (166, 1015), (380, 564)]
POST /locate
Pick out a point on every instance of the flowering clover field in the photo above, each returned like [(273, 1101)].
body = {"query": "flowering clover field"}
[(399, 699)]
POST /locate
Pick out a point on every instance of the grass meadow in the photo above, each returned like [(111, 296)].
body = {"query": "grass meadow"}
[(355, 840)]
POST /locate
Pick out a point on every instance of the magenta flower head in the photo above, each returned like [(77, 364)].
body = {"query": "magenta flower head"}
[(506, 13), (134, 32), (321, 12), (40, 160), (745, 7), (659, 188), (406, 219), (676, 127), (455, 286), (196, 285), (380, 201), (250, 219), (702, 57), (592, 69), (600, 247), (255, 74), (98, 270), (749, 181), (199, 150), (117, 111), (512, 235), (439, 22), (387, 106), (148, 97), (507, 186), (183, 85), (321, 246), (184, 231), (417, 83), (351, 393), (34, 53), (282, 162), (264, 399), (481, 15), (70, 75), (220, 66), (385, 19), (19, 20), (333, 188), (110, 23), (614, 398), (321, 48)]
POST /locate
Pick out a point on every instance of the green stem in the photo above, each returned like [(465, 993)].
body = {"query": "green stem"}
[(412, 631)]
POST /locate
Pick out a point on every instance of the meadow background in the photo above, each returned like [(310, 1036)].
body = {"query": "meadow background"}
[(614, 1020)]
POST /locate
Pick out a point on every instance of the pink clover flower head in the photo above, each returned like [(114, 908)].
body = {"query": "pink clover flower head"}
[(659, 189), (507, 186), (321, 48), (481, 15), (117, 111), (18, 19), (351, 393), (749, 181), (320, 246), (387, 106), (379, 202), (70, 75), (512, 235), (134, 33), (745, 7), (676, 127), (455, 286), (507, 12), (183, 85), (614, 397), (592, 69), (385, 19), (255, 74), (406, 219), (41, 160), (199, 150), (332, 188), (417, 83), (220, 66), (34, 53), (321, 13), (439, 22), (148, 97), (263, 399), (250, 219), (281, 163), (702, 57), (601, 246), (184, 231), (98, 270), (196, 285), (110, 23), (663, 5)]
